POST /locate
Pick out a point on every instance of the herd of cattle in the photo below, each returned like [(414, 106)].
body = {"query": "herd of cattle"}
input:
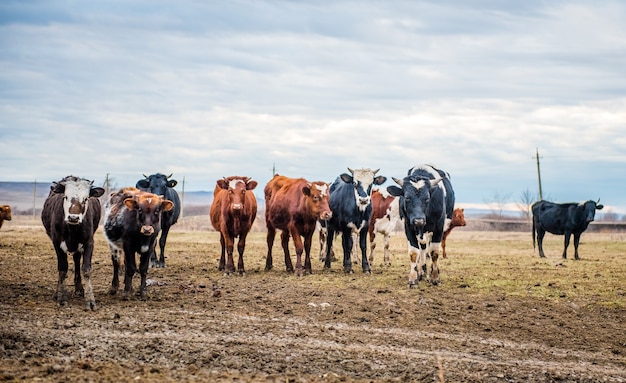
[(133, 217)]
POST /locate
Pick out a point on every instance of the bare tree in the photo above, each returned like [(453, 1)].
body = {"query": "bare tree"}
[(527, 198), (496, 203)]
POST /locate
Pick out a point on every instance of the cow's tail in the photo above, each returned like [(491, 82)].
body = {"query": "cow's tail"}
[(534, 232)]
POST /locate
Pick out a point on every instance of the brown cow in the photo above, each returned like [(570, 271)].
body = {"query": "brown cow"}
[(232, 213), (385, 215), (294, 205), (5, 213), (458, 219)]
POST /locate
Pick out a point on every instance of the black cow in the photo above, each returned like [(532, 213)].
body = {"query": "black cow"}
[(160, 184), (350, 203), (562, 219), (425, 194), (71, 214), (132, 220)]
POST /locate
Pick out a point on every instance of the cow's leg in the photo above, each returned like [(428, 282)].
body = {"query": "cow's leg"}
[(271, 233), (372, 236), (131, 268), (540, 235), (323, 234), (363, 245), (354, 251), (443, 248), (299, 245), (60, 295), (241, 246), (566, 244), (284, 241), (162, 240), (90, 300), (154, 262), (79, 291), (413, 274), (346, 243), (387, 258), (576, 242), (435, 249), (144, 263), (230, 248), (307, 253), (115, 282), (329, 248), (222, 264)]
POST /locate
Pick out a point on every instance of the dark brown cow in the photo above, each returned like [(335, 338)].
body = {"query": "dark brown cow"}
[(385, 216), (5, 214), (294, 205), (232, 213), (71, 214), (131, 225), (458, 219)]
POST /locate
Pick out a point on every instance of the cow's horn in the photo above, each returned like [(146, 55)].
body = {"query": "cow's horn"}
[(145, 176), (398, 181), (435, 181), (168, 177), (351, 171), (376, 171)]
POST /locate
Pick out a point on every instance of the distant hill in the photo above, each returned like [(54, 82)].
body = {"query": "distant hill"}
[(22, 196)]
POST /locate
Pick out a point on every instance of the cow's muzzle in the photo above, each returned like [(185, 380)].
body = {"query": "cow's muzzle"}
[(147, 230), (364, 200), (237, 206), (326, 215), (73, 219), (419, 222)]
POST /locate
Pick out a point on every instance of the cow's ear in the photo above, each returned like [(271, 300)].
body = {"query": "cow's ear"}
[(395, 191), (172, 183), (167, 205), (380, 180), (96, 192), (599, 207), (222, 184), (143, 184), (130, 203), (347, 178), (306, 190), (58, 188), (251, 185)]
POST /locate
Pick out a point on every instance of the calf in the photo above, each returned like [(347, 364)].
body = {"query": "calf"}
[(5, 214), (350, 203), (71, 214), (385, 215), (562, 219), (232, 213), (131, 225), (294, 206), (162, 185), (425, 194), (458, 219)]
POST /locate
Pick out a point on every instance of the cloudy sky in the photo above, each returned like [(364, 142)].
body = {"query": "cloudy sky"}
[(211, 89)]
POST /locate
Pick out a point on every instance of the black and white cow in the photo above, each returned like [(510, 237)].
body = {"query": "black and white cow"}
[(132, 220), (425, 195), (350, 202), (162, 185), (71, 214), (562, 219)]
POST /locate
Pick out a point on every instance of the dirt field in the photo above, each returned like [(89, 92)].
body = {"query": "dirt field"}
[(501, 314)]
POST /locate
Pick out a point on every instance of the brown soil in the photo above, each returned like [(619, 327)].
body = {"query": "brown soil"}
[(479, 325)]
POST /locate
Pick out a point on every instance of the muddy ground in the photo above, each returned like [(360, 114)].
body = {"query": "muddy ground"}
[(500, 315)]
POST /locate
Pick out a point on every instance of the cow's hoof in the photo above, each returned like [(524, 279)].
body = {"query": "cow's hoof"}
[(112, 291), (368, 271), (348, 271), (435, 282), (79, 292), (412, 284), (90, 305)]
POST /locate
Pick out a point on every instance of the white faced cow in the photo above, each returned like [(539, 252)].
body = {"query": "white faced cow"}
[(426, 195), (71, 214), (350, 202)]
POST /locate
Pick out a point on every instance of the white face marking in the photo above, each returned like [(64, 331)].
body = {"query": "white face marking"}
[(76, 192), (322, 188), (419, 184), (233, 183)]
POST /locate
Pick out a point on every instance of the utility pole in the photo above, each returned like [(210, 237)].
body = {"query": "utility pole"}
[(182, 201), (34, 197), (539, 174)]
